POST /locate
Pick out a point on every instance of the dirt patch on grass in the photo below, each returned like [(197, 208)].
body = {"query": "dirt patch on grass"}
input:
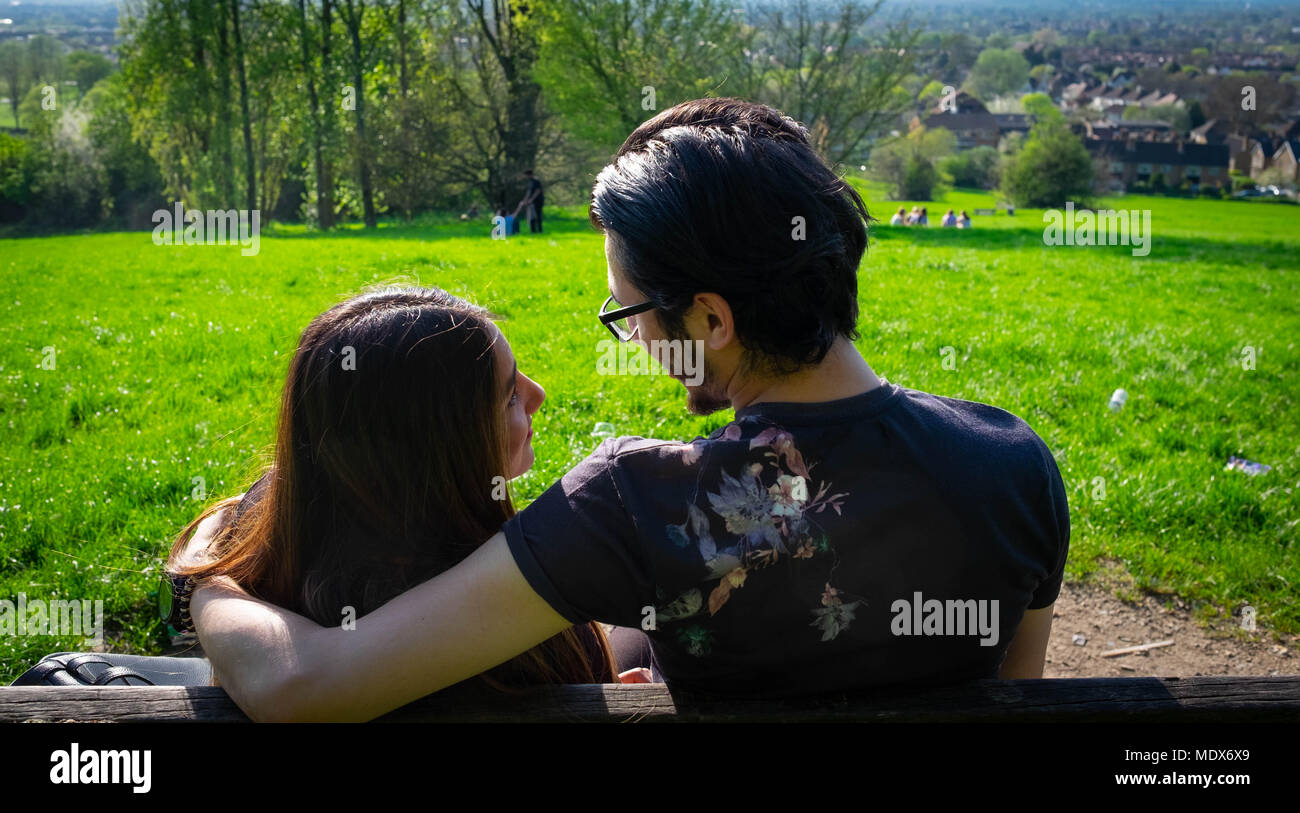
[(1096, 611)]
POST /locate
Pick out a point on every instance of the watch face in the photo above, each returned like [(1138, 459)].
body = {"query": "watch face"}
[(165, 599)]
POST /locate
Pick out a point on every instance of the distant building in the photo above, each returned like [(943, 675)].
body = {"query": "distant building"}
[(1287, 158), (1120, 164), (1123, 129), (1214, 131), (967, 118), (1241, 149), (1013, 123)]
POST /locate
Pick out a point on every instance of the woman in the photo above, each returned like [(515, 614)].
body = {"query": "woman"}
[(402, 418)]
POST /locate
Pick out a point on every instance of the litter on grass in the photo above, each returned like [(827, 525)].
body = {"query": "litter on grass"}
[(1249, 466)]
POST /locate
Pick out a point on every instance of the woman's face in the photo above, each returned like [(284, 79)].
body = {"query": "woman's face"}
[(519, 397)]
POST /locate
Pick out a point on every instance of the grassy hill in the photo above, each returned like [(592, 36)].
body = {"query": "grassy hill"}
[(169, 363)]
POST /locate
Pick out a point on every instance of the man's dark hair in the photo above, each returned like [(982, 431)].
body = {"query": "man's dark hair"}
[(702, 198)]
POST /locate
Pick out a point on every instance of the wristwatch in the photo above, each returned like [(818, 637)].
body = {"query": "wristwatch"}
[(174, 602)]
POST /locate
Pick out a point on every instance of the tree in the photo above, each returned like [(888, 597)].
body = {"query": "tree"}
[(353, 13), (132, 182), (831, 74), (13, 72), (65, 182), (13, 178), (511, 31), (1051, 168), (608, 65), (250, 173), (322, 120), (907, 164), (44, 59), (1039, 105), (1270, 100), (86, 68), (997, 72), (976, 167)]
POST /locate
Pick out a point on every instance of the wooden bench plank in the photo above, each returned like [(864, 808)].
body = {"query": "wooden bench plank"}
[(1138, 699)]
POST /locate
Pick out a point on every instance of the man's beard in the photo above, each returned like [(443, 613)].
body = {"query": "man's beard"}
[(706, 398)]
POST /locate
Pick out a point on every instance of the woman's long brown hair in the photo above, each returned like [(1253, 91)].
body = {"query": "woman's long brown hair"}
[(391, 437)]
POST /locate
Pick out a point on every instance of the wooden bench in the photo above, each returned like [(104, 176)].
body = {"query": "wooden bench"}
[(986, 211), (1135, 699)]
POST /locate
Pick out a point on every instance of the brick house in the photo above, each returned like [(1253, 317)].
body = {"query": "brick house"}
[(1120, 164)]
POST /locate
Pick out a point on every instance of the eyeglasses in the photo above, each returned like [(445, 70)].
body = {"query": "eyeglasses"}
[(617, 320)]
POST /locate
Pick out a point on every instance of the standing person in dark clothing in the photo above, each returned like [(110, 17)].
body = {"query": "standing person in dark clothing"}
[(533, 201)]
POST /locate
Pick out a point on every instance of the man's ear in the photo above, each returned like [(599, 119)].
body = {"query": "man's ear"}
[(711, 320)]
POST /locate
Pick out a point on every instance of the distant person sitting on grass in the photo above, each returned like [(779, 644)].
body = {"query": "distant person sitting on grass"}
[(801, 548), (899, 218), (949, 219), (963, 222), (471, 214), (923, 219)]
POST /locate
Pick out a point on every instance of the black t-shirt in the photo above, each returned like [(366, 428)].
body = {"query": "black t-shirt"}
[(535, 185), (891, 537)]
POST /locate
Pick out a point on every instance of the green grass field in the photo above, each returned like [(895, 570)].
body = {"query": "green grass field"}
[(169, 362)]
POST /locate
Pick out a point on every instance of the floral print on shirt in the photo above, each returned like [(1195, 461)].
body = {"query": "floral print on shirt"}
[(768, 508)]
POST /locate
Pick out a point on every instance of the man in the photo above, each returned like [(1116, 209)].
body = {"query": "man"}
[(842, 532), (532, 203)]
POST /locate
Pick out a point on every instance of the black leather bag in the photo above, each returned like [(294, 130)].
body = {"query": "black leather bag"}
[(106, 669)]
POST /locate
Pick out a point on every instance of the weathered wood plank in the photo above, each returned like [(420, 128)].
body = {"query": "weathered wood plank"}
[(1191, 700)]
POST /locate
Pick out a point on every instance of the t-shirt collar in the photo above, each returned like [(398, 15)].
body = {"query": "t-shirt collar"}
[(861, 405)]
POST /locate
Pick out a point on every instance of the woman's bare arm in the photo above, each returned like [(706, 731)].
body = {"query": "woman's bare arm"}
[(1028, 647), (280, 666)]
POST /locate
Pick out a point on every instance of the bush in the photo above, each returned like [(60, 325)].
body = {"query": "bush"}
[(13, 178), (907, 164), (1240, 181), (1053, 167), (976, 167), (919, 179)]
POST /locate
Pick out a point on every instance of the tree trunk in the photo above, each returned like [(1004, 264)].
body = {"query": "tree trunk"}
[(324, 206), (224, 146), (251, 173), (325, 194), (402, 80), (353, 20)]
